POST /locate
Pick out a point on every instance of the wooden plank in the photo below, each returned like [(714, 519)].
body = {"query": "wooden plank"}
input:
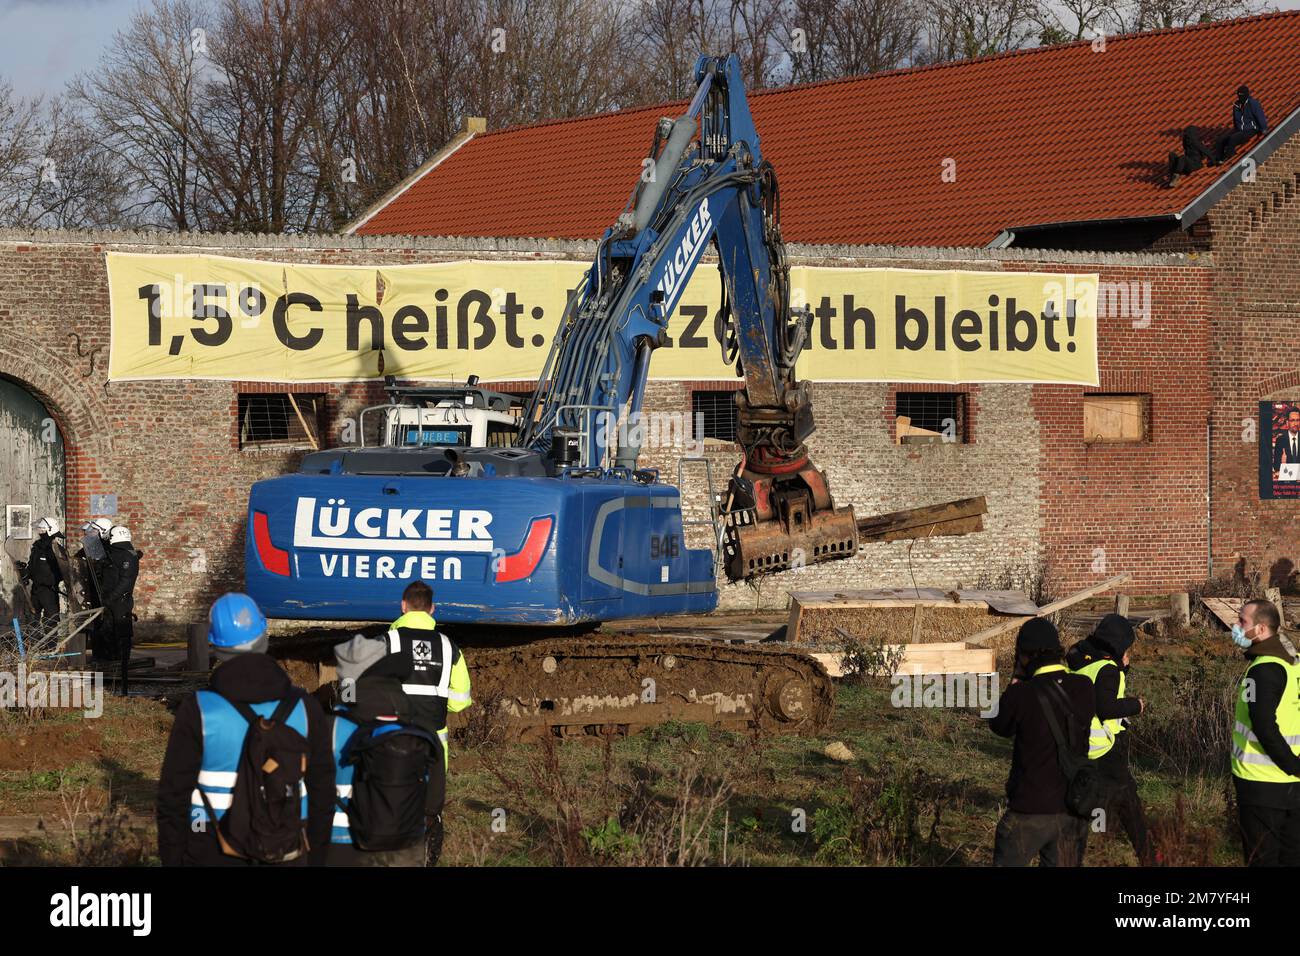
[(875, 525), (940, 529), (1121, 605), (949, 658), (1006, 602), (1225, 609), (846, 604), (302, 421), (796, 612), (1051, 608)]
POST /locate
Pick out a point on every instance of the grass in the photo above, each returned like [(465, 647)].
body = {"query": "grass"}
[(924, 787)]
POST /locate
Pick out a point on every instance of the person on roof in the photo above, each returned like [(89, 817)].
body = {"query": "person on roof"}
[(1194, 153), (1247, 122)]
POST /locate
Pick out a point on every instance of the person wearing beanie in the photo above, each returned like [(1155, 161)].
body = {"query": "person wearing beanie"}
[(1247, 122), (1265, 758), (1103, 658), (206, 743), (1037, 822)]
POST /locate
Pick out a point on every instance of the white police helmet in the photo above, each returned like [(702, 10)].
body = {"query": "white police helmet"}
[(48, 526), (119, 535)]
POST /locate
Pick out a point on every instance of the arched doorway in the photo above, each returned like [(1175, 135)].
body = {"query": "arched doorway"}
[(31, 485)]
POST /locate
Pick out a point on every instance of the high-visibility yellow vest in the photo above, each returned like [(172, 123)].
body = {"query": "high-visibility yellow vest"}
[(1249, 761), (1102, 734)]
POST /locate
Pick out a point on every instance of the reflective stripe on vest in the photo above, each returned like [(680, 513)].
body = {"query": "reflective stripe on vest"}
[(1102, 733), (340, 733), (440, 689), (1249, 760), (224, 730)]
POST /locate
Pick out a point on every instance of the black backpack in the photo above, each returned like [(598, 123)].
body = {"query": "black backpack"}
[(390, 778), (1085, 790), (265, 821)]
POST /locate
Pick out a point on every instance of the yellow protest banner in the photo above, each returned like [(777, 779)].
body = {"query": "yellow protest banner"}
[(214, 317)]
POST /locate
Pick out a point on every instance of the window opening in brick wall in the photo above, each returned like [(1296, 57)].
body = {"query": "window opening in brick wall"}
[(930, 417), (280, 419), (1117, 419), (718, 410)]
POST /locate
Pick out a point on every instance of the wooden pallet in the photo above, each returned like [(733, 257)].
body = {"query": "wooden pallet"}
[(907, 614), (947, 658)]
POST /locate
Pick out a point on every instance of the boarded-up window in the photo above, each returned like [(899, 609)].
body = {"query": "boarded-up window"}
[(280, 419), (1116, 418)]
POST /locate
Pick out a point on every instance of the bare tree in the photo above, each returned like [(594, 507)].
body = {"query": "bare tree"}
[(265, 119), (961, 30), (142, 101), (849, 37)]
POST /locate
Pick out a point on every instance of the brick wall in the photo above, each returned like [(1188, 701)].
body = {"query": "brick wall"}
[(1255, 235), (170, 451)]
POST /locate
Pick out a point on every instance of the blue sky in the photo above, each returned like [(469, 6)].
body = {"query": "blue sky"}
[(44, 43)]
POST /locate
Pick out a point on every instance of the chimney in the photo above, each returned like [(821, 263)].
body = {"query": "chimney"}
[(474, 124)]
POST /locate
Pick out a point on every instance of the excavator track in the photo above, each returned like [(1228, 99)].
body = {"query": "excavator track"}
[(615, 686)]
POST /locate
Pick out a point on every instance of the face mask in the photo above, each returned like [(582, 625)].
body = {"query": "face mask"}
[(1239, 636)]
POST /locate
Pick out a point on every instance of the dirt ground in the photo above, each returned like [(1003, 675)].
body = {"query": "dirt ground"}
[(921, 786)]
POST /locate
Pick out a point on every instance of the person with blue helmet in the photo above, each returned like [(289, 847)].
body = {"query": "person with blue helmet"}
[(203, 755)]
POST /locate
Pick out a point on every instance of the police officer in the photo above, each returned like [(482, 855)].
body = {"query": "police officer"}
[(1103, 658), (121, 568), (430, 671), (207, 740), (91, 559), (1266, 740), (42, 571)]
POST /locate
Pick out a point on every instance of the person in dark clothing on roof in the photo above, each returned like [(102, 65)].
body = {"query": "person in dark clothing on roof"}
[(1037, 822), (1266, 740), (1104, 659), (1247, 122), (197, 780), (1194, 153)]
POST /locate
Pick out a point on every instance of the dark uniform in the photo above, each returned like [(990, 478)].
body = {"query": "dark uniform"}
[(90, 566), (121, 568), (44, 575)]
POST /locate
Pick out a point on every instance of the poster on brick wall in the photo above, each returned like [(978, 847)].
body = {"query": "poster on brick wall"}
[(216, 317), (1279, 449)]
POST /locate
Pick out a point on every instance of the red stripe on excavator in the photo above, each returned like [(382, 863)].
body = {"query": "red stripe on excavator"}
[(275, 560), (517, 566)]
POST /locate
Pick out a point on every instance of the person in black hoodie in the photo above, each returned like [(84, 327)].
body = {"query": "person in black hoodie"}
[(1265, 766), (1037, 822), (1104, 659), (245, 674), (1194, 153)]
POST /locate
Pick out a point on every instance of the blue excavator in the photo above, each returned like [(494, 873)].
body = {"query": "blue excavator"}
[(548, 525)]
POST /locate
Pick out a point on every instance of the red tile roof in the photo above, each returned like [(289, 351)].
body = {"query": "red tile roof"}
[(1038, 136)]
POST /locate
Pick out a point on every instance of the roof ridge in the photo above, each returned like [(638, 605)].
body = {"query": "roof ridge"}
[(925, 68), (1025, 51)]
